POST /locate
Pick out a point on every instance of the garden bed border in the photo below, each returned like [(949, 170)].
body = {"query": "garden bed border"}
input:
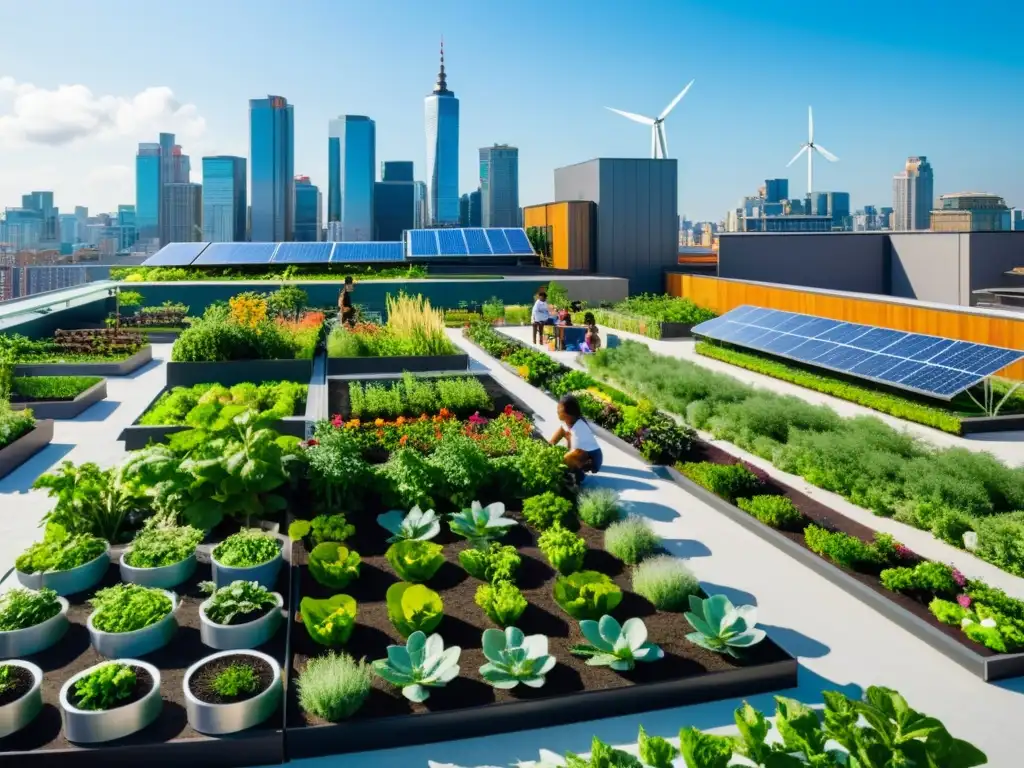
[(231, 372), (25, 447), (988, 668), (981, 425), (353, 366), (66, 409), (122, 368)]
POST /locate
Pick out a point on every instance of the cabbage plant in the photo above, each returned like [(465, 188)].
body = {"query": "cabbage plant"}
[(422, 663), (615, 645), (414, 607), (721, 626), (514, 658), (416, 526)]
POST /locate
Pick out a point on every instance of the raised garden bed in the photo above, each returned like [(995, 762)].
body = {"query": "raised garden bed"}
[(65, 409), (341, 366), (980, 425), (238, 371), (25, 447), (162, 335), (119, 368), (169, 739), (903, 610)]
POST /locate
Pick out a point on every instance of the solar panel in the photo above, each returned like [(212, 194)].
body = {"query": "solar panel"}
[(477, 242), (451, 242), (499, 243), (352, 253), (929, 365), (175, 255), (519, 242), (233, 254), (303, 253), (423, 242)]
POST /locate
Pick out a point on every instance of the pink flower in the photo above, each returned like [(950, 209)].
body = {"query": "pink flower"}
[(903, 552), (959, 578), (964, 601), (336, 421)]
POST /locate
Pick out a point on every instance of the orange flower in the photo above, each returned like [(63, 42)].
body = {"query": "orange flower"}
[(423, 417), (437, 434), (353, 424), (380, 434), (403, 440), (379, 423), (444, 413), (400, 420)]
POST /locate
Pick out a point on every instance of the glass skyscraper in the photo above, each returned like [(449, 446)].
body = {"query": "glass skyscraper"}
[(442, 122), (308, 204), (224, 199), (499, 186), (352, 154), (272, 169), (147, 191)]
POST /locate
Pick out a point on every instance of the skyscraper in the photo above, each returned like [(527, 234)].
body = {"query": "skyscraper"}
[(185, 211), (913, 190), (464, 210), (147, 192), (499, 186), (442, 122), (776, 190), (420, 216), (475, 208), (308, 206), (272, 169), (394, 201), (352, 154), (43, 203), (224, 199)]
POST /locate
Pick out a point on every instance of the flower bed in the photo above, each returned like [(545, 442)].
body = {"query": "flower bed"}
[(92, 352), (57, 397)]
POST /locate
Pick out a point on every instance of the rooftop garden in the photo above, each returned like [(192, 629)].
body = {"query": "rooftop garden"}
[(293, 272), (413, 329), (79, 346), (214, 403), (651, 315)]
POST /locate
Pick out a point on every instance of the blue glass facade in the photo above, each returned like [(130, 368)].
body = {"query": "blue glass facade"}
[(147, 191), (776, 190), (224, 199), (396, 170), (333, 178), (272, 169), (394, 204), (354, 175), (308, 202), (499, 186), (442, 118)]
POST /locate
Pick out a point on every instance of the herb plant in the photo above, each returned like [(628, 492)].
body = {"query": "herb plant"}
[(205, 405), (615, 645), (599, 507), (631, 540), (333, 565), (419, 665), (247, 549), (514, 658), (236, 680), (548, 509), (237, 599), (415, 561), (666, 582), (103, 688), (60, 551), (91, 500), (334, 686), (6, 678), (776, 511), (158, 547), (22, 608), (128, 608), (587, 594), (722, 627), (413, 608), (331, 621), (495, 562), (501, 601), (563, 549), (334, 527)]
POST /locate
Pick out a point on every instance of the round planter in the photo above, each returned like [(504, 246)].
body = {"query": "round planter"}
[(220, 719), (83, 726), (264, 574), (117, 645), (164, 577), (72, 581), (25, 642), (18, 714), (233, 637)]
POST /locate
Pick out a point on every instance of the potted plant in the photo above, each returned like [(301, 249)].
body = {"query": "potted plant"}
[(110, 700), (21, 696), (161, 557), (132, 620), (230, 691), (248, 555), (239, 615), (31, 622), (65, 563)]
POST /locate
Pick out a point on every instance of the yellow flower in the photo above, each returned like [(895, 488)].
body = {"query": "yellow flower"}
[(379, 423)]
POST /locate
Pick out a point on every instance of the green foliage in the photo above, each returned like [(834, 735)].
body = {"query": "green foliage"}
[(236, 681), (547, 510), (776, 511), (663, 308), (730, 481), (155, 547), (219, 339), (213, 405), (666, 582), (1001, 541), (299, 529), (13, 424), (514, 658), (586, 594), (720, 626), (103, 688), (540, 468), (413, 608), (655, 751), (336, 528), (52, 387), (60, 551), (334, 686), (91, 500), (239, 598), (423, 663), (413, 396), (849, 551), (128, 608), (22, 608), (333, 565), (598, 507), (129, 298), (415, 526), (614, 645), (563, 549), (330, 621), (631, 540), (338, 474), (288, 301), (461, 467), (415, 561), (501, 601), (247, 549), (927, 577), (6, 678), (571, 381), (496, 562), (479, 524), (601, 756), (306, 273), (410, 479)]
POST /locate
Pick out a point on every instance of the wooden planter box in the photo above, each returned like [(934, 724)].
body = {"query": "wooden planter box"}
[(26, 446), (238, 371), (355, 366), (123, 368), (66, 409)]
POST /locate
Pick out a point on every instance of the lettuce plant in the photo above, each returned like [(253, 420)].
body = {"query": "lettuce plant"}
[(413, 607), (481, 524), (60, 551), (103, 688), (563, 549), (548, 509), (333, 564), (615, 645), (129, 608), (587, 594), (414, 560), (422, 663), (514, 658), (155, 547), (330, 621), (497, 562), (721, 626), (417, 525), (247, 549), (22, 608), (237, 681), (501, 601), (334, 527), (247, 599)]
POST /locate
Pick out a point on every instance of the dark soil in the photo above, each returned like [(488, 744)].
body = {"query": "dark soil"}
[(74, 653), (464, 623), (201, 683), (22, 680), (825, 517), (143, 685)]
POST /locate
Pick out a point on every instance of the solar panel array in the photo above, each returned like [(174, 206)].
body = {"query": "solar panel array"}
[(175, 255), (426, 243), (236, 254), (351, 253), (303, 253), (930, 365)]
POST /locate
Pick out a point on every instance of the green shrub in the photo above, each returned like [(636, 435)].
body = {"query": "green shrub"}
[(128, 608), (59, 551), (105, 687), (563, 549), (246, 600), (547, 510), (461, 467), (501, 601), (334, 686), (52, 387), (776, 511), (666, 582), (598, 507), (849, 551), (498, 562), (409, 479), (219, 340), (1001, 541), (927, 577), (631, 540), (413, 396), (203, 405), (730, 481)]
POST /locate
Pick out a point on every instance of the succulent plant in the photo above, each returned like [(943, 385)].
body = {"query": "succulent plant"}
[(422, 663), (481, 524), (415, 526), (721, 626), (615, 645), (514, 658)]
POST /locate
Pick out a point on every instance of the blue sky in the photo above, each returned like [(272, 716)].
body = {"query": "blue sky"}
[(940, 79)]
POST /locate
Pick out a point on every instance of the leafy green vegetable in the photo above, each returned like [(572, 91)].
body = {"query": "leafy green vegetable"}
[(334, 527), (52, 387), (239, 599), (546, 510), (587, 594), (329, 621), (59, 551), (497, 562), (501, 601), (22, 608), (333, 565), (414, 560), (414, 608), (91, 500), (247, 549), (563, 549), (128, 608), (103, 688), (158, 547), (236, 681)]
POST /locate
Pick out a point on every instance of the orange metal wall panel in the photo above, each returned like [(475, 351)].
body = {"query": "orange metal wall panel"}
[(723, 295), (558, 220)]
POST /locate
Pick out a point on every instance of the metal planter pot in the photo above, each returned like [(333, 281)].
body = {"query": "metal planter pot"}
[(25, 642), (265, 574), (231, 637), (72, 581), (164, 577), (18, 714), (220, 719), (117, 645), (90, 727)]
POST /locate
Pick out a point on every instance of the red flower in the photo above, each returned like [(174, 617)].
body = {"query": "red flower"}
[(311, 442), (336, 421)]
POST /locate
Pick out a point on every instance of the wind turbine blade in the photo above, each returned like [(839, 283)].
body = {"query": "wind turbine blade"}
[(663, 140), (675, 101), (826, 154), (635, 118), (797, 155), (810, 126)]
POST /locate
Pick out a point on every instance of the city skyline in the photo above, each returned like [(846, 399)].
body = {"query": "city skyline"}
[(79, 141)]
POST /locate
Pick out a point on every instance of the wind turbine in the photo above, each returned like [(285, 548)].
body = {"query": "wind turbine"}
[(659, 143), (810, 148)]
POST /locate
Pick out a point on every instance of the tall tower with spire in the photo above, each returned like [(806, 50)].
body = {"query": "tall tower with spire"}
[(442, 123)]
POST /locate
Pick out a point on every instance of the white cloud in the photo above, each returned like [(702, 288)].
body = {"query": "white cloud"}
[(69, 113)]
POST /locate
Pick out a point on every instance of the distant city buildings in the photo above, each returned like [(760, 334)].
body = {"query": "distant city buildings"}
[(770, 211), (475, 208), (499, 186), (185, 212), (308, 207), (442, 127), (272, 169), (420, 212), (224, 199), (147, 192), (352, 152), (913, 190), (971, 212), (394, 201)]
